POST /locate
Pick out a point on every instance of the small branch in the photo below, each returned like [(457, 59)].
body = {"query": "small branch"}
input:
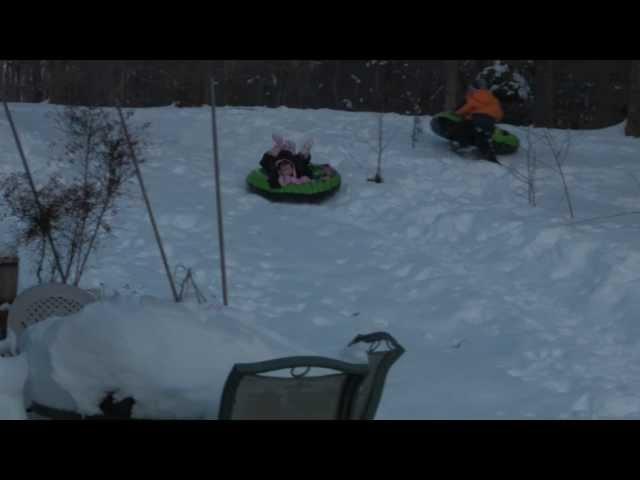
[(381, 147), (416, 131), (43, 251), (377, 178), (79, 234), (558, 157), (532, 167), (438, 90), (604, 217), (105, 207), (521, 177)]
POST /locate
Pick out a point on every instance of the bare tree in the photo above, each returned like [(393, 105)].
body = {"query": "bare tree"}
[(383, 73), (58, 92), (417, 130), (532, 168), (74, 210), (381, 144), (633, 110), (560, 153), (377, 178), (530, 176)]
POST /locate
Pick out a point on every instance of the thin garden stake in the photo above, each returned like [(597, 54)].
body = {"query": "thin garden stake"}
[(146, 200), (216, 164), (33, 188)]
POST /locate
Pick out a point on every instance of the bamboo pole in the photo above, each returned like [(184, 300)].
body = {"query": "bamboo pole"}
[(216, 164)]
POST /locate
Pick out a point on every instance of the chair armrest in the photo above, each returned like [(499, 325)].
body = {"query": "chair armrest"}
[(375, 338)]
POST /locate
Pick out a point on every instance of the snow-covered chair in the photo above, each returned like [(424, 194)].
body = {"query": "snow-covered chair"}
[(250, 393), (35, 305), (43, 301)]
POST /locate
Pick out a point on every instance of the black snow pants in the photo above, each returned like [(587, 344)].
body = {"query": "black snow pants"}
[(478, 132)]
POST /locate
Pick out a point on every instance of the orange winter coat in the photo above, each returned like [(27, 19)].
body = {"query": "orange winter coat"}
[(481, 101)]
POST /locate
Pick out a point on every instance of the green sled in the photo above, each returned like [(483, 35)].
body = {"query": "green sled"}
[(504, 142), (314, 191)]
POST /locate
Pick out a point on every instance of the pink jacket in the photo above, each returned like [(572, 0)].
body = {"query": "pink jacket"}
[(292, 179)]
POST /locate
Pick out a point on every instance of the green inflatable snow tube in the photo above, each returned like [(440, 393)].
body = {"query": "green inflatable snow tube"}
[(504, 142), (315, 190)]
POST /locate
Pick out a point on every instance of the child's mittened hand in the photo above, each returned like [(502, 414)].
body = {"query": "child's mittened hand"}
[(306, 148)]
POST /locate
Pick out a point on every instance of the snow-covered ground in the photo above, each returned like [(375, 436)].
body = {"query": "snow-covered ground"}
[(506, 311)]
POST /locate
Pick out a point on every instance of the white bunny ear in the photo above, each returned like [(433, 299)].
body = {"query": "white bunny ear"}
[(290, 146)]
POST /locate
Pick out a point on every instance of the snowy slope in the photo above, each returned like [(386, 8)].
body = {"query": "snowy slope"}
[(506, 311)]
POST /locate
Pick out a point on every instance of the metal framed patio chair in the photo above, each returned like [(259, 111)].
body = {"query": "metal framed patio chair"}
[(253, 392), (43, 301), (353, 393), (380, 362)]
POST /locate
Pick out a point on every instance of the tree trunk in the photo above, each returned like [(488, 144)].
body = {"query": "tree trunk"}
[(57, 92), (3, 77), (36, 80), (382, 82), (452, 84), (18, 90), (633, 111), (228, 77), (543, 107)]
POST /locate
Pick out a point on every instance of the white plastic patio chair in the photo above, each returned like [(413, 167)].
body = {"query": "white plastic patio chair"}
[(37, 304), (43, 301)]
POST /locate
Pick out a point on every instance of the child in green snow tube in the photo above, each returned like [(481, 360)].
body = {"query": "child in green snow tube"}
[(290, 176), (443, 125)]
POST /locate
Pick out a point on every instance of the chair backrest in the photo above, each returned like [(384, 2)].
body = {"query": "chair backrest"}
[(250, 393), (43, 301), (370, 390)]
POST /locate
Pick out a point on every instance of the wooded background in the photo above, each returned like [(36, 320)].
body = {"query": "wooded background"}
[(562, 93)]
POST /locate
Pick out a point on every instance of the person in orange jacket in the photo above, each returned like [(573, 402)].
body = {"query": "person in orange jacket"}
[(481, 112)]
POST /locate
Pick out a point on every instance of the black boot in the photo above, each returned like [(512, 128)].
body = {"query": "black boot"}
[(486, 147), (491, 155)]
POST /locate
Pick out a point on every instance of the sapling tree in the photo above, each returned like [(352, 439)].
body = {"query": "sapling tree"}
[(383, 71), (529, 177), (417, 130), (78, 202), (559, 152), (381, 147)]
